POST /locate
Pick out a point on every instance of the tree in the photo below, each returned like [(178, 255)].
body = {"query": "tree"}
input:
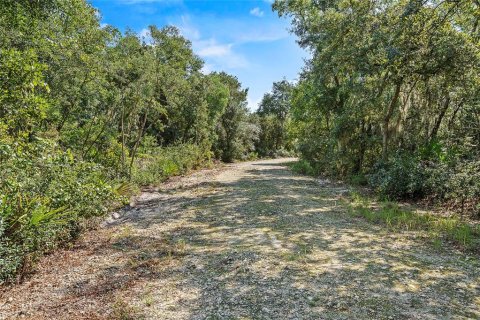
[(233, 128), (86, 111), (273, 112), (388, 80)]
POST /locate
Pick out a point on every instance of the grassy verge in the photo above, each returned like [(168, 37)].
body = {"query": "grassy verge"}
[(397, 218)]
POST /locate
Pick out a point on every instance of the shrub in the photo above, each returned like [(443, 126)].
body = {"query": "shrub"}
[(163, 163), (282, 153), (11, 255), (463, 187), (44, 197), (408, 176), (401, 177), (358, 179), (303, 167)]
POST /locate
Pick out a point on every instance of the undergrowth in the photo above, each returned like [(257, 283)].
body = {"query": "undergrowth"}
[(161, 163), (302, 167), (46, 202), (390, 214)]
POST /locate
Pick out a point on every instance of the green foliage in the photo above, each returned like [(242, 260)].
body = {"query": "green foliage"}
[(163, 163), (408, 177), (44, 197), (458, 185), (21, 86), (400, 177), (235, 133), (358, 179), (273, 119), (87, 113), (303, 167), (391, 93), (390, 214)]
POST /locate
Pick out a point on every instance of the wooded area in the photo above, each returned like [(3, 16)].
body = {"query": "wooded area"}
[(390, 99), (391, 96), (88, 113)]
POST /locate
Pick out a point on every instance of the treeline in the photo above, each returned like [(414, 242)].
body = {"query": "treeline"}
[(391, 95), (272, 117), (87, 113)]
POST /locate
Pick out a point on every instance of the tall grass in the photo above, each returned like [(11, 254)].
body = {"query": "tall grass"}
[(393, 216)]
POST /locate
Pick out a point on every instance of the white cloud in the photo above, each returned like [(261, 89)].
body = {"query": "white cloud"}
[(219, 55), (260, 36), (187, 30), (242, 31), (253, 103), (213, 49), (220, 51), (207, 68), (257, 12), (145, 35)]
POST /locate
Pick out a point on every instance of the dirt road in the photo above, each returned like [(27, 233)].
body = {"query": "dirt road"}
[(247, 241)]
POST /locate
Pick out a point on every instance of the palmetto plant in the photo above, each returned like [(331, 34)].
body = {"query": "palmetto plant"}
[(21, 213)]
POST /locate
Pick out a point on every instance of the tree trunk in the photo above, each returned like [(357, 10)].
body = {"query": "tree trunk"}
[(123, 136), (137, 143), (386, 120), (454, 115), (438, 122)]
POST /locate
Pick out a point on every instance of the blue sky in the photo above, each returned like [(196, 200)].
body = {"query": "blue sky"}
[(242, 37)]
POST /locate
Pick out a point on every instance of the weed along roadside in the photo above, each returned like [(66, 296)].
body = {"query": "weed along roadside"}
[(157, 163), (252, 240), (436, 226)]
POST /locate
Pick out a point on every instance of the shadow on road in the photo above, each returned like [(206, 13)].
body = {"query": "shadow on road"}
[(257, 242), (274, 245)]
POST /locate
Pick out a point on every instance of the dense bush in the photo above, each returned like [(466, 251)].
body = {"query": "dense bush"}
[(44, 197), (303, 167), (401, 177), (407, 176), (86, 111), (461, 186), (161, 163)]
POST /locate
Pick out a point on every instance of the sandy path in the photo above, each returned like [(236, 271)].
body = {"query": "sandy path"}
[(248, 241)]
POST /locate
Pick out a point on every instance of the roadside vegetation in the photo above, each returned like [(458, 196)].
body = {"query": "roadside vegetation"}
[(390, 97), (390, 100), (88, 114), (439, 228)]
